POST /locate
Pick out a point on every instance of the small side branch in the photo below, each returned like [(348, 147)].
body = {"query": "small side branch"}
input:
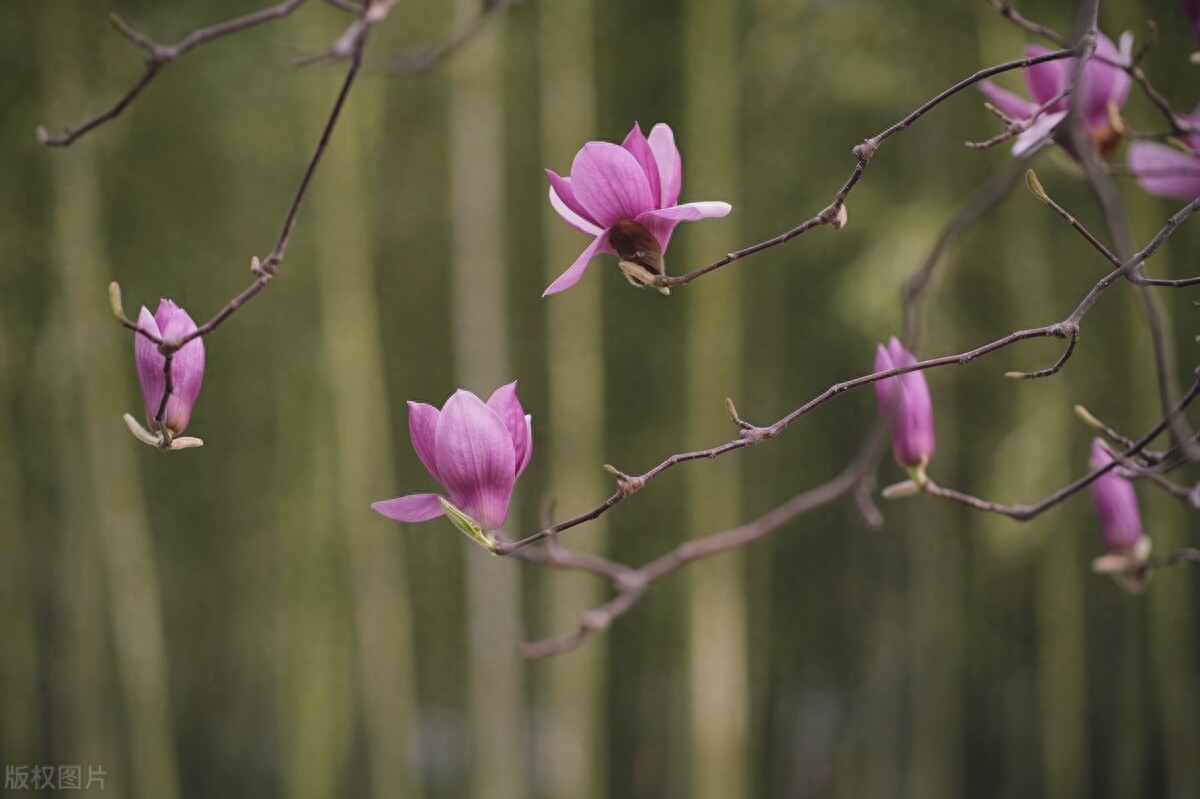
[(159, 56), (834, 213)]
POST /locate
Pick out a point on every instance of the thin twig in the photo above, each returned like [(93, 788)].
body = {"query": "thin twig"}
[(158, 56), (1180, 125), (1024, 513), (1132, 468), (863, 152), (267, 269), (750, 435), (1015, 127), (635, 583), (418, 61)]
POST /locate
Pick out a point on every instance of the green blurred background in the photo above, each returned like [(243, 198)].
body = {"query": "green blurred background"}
[(234, 621)]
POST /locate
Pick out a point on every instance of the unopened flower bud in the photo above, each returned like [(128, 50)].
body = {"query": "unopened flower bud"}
[(187, 367), (906, 399)]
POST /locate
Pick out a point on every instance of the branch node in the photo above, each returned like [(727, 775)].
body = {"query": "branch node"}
[(594, 621), (865, 150), (755, 434), (840, 217), (632, 581), (626, 484)]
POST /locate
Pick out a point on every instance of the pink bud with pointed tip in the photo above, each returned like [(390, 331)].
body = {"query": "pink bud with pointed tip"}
[(476, 450), (187, 365), (1116, 505), (631, 189), (906, 399)]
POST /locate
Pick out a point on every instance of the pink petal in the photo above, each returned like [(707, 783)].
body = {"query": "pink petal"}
[(885, 388), (1048, 78), (1164, 171), (609, 183), (670, 164), (505, 404), (1116, 504), (562, 198), (1012, 105), (422, 429), (639, 148), (149, 364), (912, 424), (410, 508), (476, 459), (662, 223), (1038, 133), (1193, 139), (187, 366), (1102, 83), (522, 463), (575, 271)]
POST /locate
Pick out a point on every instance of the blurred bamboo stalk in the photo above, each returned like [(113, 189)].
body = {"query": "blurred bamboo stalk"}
[(115, 507), (571, 754), (21, 721), (481, 361), (1169, 612), (936, 673), (315, 680), (716, 601), (1034, 456), (343, 205)]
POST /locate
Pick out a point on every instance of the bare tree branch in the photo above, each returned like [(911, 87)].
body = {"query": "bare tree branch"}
[(158, 56)]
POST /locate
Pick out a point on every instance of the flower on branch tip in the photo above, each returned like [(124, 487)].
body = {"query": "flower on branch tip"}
[(1116, 506), (625, 198), (1100, 85), (1120, 523), (170, 323), (1164, 170), (476, 450), (905, 400)]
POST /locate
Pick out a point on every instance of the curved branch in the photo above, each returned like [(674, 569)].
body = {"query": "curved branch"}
[(157, 57)]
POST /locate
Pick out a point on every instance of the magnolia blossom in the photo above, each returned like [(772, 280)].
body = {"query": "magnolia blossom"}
[(625, 197), (1100, 84), (1126, 546), (1116, 507), (1166, 171), (187, 366), (906, 398), (476, 450)]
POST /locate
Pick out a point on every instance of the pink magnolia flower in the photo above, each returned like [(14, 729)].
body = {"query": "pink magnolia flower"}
[(187, 366), (476, 450), (1100, 84), (906, 398), (1165, 171), (1116, 506), (1126, 546), (625, 197)]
